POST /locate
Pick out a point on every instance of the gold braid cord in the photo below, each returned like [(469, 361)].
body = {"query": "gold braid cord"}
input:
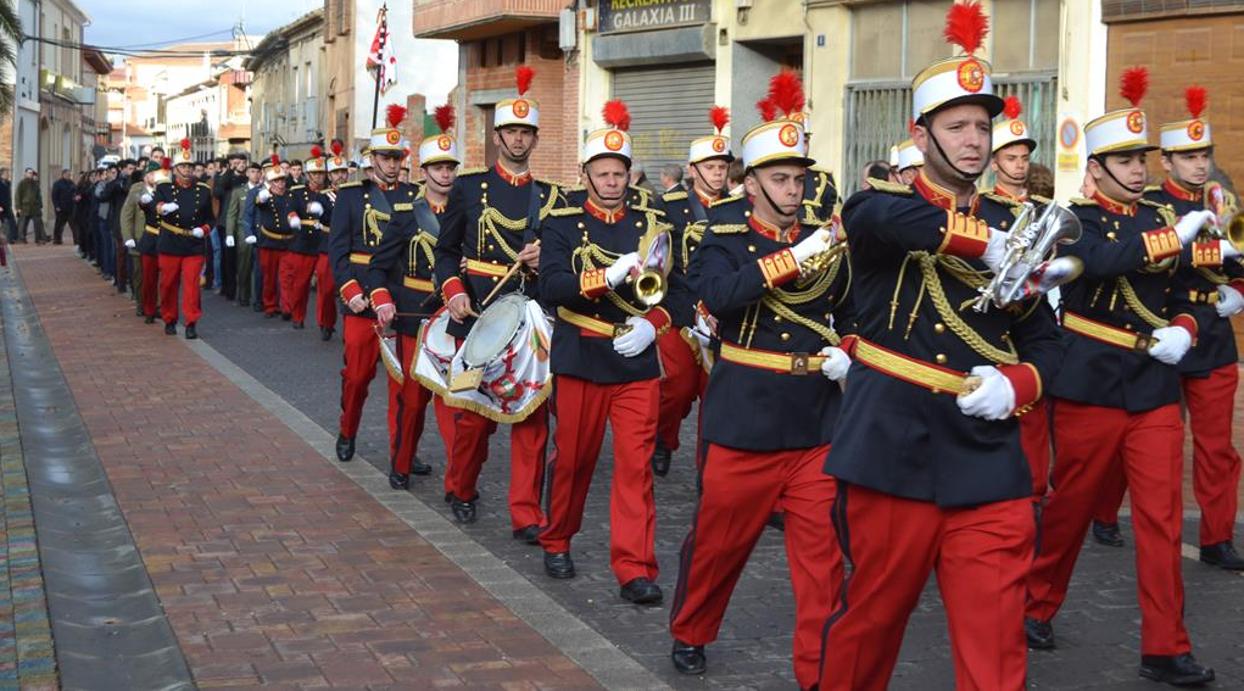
[(960, 270), (421, 243), (692, 233), (1216, 277), (1132, 300), (372, 230), (489, 221), (778, 300), (592, 257)]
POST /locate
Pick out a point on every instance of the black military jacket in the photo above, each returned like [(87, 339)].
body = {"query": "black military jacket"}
[(687, 213), (362, 212), (308, 238), (194, 210), (401, 269), (915, 259), (149, 243), (820, 195), (579, 243), (272, 217)]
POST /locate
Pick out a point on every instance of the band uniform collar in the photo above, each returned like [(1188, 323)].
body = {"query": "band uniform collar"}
[(1180, 192), (437, 209), (1114, 207), (772, 231), (189, 182), (704, 201), (516, 179), (1003, 192), (939, 196), (386, 188), (606, 215)]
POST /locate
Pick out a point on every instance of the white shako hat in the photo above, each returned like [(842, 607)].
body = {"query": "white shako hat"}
[(337, 161), (521, 110), (1010, 129), (272, 169), (1126, 129), (909, 155), (1188, 135), (612, 139), (778, 139), (183, 154), (388, 138), (316, 163), (963, 78), (440, 147), (716, 145)]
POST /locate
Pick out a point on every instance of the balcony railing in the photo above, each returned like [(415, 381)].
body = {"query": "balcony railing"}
[(466, 20)]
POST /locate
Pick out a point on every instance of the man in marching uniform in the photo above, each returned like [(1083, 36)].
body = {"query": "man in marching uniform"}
[(1116, 399), (325, 296), (683, 375), (604, 360), (910, 161), (362, 212), (277, 221), (184, 206), (778, 287), (492, 221), (148, 244), (304, 248), (1209, 373), (820, 194), (931, 473), (400, 281)]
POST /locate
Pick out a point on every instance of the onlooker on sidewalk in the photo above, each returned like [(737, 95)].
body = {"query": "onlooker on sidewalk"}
[(30, 207), (6, 206), (133, 227), (116, 191), (250, 227), (63, 193), (105, 253), (235, 227), (82, 215)]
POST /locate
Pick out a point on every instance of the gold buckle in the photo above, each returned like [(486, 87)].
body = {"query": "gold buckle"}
[(1143, 341), (799, 363), (621, 329)]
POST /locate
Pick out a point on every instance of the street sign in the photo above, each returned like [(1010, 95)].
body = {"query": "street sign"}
[(618, 16)]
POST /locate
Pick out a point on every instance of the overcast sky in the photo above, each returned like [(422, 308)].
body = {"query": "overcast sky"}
[(135, 22)]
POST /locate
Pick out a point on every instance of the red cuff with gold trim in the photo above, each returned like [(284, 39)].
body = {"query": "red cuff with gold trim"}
[(848, 344), (1160, 244), (380, 297), (778, 268), (452, 288), (1026, 382), (1238, 284), (592, 283), (659, 318), (1207, 254), (964, 236), (350, 290), (1188, 322)]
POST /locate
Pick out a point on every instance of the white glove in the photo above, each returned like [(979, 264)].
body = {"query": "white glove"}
[(1172, 344), (168, 208), (995, 252), (814, 244), (263, 196), (637, 339), (295, 222), (1228, 250), (836, 364), (1230, 302), (197, 233), (131, 244), (994, 399), (315, 209), (616, 274), (251, 239), (1191, 224), (145, 199), (229, 241)]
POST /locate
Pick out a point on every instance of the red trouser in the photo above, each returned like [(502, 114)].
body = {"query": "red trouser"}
[(361, 351), (468, 450), (980, 555), (151, 283), (1034, 437), (1215, 462), (178, 271), (682, 381), (407, 404), (583, 409), (740, 490), (285, 274), (1093, 443), (270, 269), (299, 268), (325, 295)]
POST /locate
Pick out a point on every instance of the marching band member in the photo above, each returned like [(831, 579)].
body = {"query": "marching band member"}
[(910, 160), (1116, 398), (304, 249), (400, 276), (1209, 374), (491, 222), (931, 473), (148, 244), (325, 296), (772, 397), (362, 212), (185, 210), (683, 377), (604, 362), (277, 220)]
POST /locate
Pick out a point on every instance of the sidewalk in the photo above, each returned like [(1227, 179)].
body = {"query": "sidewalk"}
[(271, 565)]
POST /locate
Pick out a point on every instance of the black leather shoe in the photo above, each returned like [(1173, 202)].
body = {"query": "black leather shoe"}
[(191, 332), (529, 535), (463, 511), (642, 591), (286, 316), (269, 315), (777, 521), (299, 326), (1107, 534), (326, 334), (688, 659), (661, 462), (1176, 670), (149, 320), (1040, 634), (418, 467), (399, 481), (170, 328), (558, 565), (1222, 555), (345, 448)]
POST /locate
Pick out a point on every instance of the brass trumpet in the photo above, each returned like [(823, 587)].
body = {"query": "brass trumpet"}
[(651, 284), (819, 262)]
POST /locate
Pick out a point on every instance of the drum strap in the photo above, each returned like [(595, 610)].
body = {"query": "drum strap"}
[(533, 209), (697, 209), (428, 222)]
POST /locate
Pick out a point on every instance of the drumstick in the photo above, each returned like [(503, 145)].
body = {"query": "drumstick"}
[(505, 279)]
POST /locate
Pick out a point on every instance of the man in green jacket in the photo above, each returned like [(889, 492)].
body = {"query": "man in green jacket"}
[(30, 207), (133, 226), (236, 229)]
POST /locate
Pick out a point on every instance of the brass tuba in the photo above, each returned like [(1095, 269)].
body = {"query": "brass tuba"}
[(1029, 248)]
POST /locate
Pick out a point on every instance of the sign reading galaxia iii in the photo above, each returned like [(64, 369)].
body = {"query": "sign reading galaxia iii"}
[(647, 15)]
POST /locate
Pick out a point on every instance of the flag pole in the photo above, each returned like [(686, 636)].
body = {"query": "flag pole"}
[(375, 103)]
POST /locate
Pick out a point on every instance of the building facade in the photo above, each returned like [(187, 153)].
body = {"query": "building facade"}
[(287, 115), (214, 114)]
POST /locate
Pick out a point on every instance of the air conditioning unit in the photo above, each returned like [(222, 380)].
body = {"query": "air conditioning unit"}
[(567, 31)]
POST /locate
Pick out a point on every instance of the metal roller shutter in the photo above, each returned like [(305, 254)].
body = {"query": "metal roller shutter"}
[(669, 107)]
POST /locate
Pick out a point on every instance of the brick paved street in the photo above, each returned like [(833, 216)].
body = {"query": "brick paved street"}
[(272, 566)]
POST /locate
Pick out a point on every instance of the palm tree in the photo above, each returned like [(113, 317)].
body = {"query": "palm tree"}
[(10, 39)]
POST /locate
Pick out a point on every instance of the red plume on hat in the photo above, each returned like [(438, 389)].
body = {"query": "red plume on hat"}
[(522, 78), (768, 111), (337, 147), (394, 114), (966, 26), (786, 92), (1195, 98), (316, 151), (185, 145), (1011, 107), (166, 163), (1133, 84), (617, 115), (720, 117), (444, 116), (276, 160)]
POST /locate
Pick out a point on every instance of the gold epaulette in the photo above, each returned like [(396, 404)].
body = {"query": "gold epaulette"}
[(472, 171), (673, 196), (1166, 211), (726, 200), (297, 187), (352, 183), (564, 211), (1153, 188), (1005, 201), (889, 187), (1040, 200), (730, 228), (404, 206), (1081, 201), (204, 185)]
